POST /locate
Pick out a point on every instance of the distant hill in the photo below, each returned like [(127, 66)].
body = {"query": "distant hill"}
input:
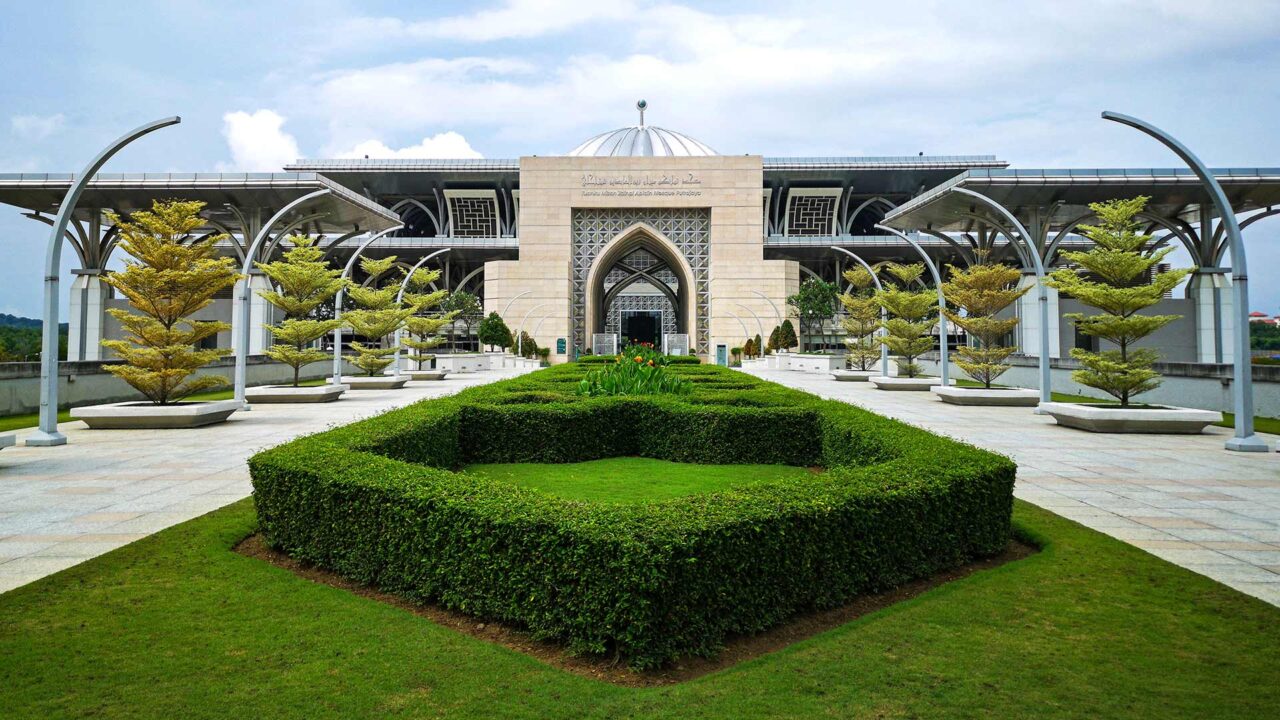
[(14, 321)]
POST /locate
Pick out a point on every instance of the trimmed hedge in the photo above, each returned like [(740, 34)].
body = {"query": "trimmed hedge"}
[(379, 502)]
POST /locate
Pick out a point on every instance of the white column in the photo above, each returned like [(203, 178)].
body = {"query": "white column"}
[(86, 320), (1029, 320), (1215, 324), (261, 313)]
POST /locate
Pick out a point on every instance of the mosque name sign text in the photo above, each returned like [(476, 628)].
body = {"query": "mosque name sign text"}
[(685, 185)]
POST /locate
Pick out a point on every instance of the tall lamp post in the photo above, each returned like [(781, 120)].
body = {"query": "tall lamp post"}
[(240, 324), (404, 284), (884, 349), (1242, 388), (943, 360), (337, 301), (47, 435)]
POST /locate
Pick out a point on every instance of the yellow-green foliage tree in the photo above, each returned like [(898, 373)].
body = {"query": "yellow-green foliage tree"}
[(982, 291), (378, 315), (1116, 277), (167, 279), (861, 320), (424, 329), (303, 281), (912, 315)]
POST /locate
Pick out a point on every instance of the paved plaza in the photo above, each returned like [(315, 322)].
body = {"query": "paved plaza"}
[(1182, 498), (105, 488)]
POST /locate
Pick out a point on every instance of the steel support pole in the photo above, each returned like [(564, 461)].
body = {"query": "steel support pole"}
[(1046, 376), (745, 331), (771, 304), (337, 301), (47, 435), (884, 315), (508, 306), (1242, 388), (240, 323), (520, 332), (759, 323), (943, 360), (400, 298)]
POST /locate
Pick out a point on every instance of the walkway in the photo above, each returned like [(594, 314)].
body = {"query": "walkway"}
[(105, 488), (1181, 498)]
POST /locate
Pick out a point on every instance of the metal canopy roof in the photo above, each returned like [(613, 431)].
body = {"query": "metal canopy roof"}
[(1067, 193), (124, 193)]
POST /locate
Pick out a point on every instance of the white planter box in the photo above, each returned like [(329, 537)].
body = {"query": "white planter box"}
[(1160, 419), (424, 374), (918, 384), (853, 375), (462, 363), (7, 440), (289, 394), (1002, 397), (385, 382), (135, 415)]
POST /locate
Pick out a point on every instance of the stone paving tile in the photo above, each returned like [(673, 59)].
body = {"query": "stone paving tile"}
[(1182, 498), (107, 488)]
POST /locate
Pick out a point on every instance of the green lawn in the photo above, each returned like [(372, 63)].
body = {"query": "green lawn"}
[(177, 625), (26, 420), (631, 479)]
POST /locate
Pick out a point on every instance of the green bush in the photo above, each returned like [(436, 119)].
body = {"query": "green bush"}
[(379, 502)]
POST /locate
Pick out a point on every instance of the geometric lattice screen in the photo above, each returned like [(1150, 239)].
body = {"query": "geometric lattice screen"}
[(810, 214), (474, 216), (688, 228)]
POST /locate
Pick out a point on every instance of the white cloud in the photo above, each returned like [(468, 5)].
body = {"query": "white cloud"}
[(442, 145), (36, 127), (257, 142), (514, 19)]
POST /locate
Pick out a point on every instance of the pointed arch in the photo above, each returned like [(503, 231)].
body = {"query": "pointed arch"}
[(640, 235)]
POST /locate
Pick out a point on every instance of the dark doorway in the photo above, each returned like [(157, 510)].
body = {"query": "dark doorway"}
[(641, 326)]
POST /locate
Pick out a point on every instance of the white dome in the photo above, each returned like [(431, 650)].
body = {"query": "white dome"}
[(642, 141)]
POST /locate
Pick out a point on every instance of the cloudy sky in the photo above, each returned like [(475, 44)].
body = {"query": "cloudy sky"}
[(260, 84)]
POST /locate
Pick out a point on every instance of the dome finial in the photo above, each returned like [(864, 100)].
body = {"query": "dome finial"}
[(641, 105)]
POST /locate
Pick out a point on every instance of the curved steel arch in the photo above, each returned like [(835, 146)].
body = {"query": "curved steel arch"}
[(337, 300), (966, 254), (884, 315), (430, 215), (943, 336), (847, 226), (1220, 250), (404, 284)]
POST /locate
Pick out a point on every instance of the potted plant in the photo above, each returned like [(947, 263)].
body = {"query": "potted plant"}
[(424, 330), (861, 321), (912, 315), (1119, 277), (304, 281), (982, 291), (166, 279), (377, 315)]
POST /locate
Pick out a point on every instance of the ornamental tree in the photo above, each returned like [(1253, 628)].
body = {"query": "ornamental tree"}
[(813, 305), (861, 320), (787, 335), (376, 316), (424, 329), (494, 332), (757, 346), (912, 315), (1116, 276), (775, 336), (166, 280), (303, 281), (466, 308), (981, 292)]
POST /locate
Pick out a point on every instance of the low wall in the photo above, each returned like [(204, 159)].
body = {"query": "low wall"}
[(1198, 385), (87, 383)]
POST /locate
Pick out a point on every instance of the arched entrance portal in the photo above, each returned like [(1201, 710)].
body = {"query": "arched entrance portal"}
[(639, 288)]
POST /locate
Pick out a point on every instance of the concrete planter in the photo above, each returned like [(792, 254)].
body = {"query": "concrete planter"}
[(1160, 419), (136, 415), (7, 440), (853, 375), (424, 374), (917, 384), (289, 394), (384, 382), (1002, 397)]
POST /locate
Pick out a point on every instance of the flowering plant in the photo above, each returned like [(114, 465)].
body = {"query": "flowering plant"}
[(637, 370)]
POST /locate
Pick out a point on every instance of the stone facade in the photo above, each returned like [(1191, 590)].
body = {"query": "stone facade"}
[(658, 198)]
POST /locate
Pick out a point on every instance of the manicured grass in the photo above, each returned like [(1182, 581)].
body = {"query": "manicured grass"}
[(631, 479), (26, 420), (1260, 424), (178, 625)]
